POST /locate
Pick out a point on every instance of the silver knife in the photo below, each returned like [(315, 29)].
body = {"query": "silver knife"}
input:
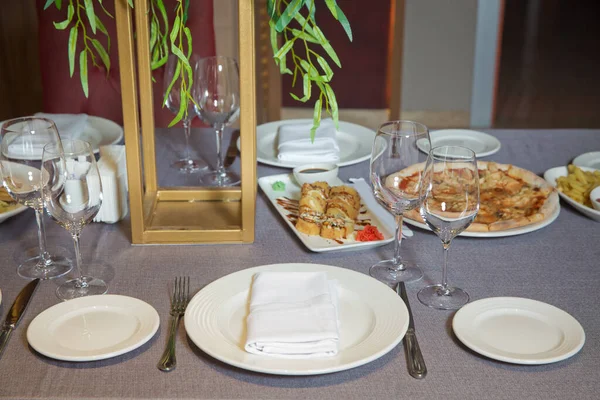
[(414, 357), (16, 312)]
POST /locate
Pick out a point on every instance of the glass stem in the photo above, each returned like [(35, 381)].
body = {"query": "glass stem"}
[(397, 260), (80, 281), (220, 168), (444, 268), (187, 130), (44, 256)]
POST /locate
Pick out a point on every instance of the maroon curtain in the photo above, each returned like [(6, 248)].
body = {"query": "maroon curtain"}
[(63, 94)]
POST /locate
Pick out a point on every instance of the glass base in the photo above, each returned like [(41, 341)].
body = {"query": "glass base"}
[(81, 287), (35, 267), (435, 296), (215, 178), (189, 166), (387, 272)]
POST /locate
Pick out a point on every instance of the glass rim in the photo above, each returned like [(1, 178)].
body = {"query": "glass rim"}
[(57, 148), (436, 154), (13, 121), (422, 129)]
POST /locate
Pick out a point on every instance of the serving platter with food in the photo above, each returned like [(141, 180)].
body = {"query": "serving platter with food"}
[(513, 201), (8, 206), (574, 185), (327, 217)]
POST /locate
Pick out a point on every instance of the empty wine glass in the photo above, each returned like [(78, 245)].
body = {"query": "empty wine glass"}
[(172, 90), (216, 92), (72, 193), (450, 204), (23, 141), (394, 150)]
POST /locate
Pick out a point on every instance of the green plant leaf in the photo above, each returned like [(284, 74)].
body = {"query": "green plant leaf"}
[(333, 105), (327, 46), (326, 68), (102, 29), (311, 70), (175, 30), (288, 14), (172, 83), (153, 34), (273, 36), (271, 8), (316, 120), (63, 25), (344, 22), (130, 2), (83, 72), (306, 89), (49, 3), (186, 8), (89, 10), (310, 5), (72, 48), (304, 35), (102, 53), (188, 35), (283, 69), (304, 23), (332, 5), (287, 46)]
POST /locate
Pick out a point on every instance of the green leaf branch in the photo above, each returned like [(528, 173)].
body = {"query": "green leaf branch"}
[(294, 21)]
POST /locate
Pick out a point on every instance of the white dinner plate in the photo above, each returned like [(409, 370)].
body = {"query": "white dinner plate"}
[(509, 232), (93, 328), (481, 143), (372, 320), (589, 160), (517, 330), (355, 142), (99, 132), (17, 170), (553, 173), (317, 243)]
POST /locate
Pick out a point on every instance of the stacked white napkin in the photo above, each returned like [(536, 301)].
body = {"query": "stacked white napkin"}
[(295, 145), (113, 173), (293, 314)]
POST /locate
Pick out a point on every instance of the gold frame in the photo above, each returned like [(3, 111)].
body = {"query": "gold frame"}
[(182, 215)]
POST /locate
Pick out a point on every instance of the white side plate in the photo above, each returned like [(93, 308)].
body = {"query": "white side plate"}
[(93, 328), (553, 173), (589, 160), (481, 143), (373, 320), (519, 331), (355, 142), (317, 243)]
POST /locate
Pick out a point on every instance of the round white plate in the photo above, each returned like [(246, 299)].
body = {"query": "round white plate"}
[(481, 143), (589, 160), (93, 328), (355, 143), (373, 320), (553, 173), (509, 232), (517, 330)]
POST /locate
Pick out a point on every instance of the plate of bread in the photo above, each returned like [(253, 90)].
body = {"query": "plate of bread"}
[(327, 216)]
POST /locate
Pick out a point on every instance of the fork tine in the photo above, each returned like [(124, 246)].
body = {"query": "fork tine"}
[(174, 297), (187, 297)]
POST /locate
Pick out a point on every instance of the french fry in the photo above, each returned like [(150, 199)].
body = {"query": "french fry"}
[(578, 184)]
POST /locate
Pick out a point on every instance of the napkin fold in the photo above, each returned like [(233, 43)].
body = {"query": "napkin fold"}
[(293, 315), (70, 126), (366, 194), (295, 144)]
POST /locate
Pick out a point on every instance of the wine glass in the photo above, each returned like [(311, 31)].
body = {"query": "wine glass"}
[(172, 90), (450, 204), (72, 193), (23, 140), (394, 149), (216, 93)]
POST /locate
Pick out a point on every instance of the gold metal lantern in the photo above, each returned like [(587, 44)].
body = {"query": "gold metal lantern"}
[(182, 215)]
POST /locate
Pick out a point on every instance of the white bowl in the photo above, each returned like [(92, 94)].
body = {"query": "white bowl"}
[(595, 198), (317, 172), (553, 173)]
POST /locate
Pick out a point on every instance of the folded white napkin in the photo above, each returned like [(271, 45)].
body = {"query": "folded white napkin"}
[(295, 145), (70, 126), (366, 194), (293, 314)]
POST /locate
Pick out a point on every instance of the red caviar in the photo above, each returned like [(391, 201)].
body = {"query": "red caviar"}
[(369, 234)]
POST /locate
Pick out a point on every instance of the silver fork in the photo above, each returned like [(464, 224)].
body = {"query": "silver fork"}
[(179, 301)]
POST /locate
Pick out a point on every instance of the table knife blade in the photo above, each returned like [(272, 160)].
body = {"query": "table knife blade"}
[(16, 312), (232, 150), (414, 358)]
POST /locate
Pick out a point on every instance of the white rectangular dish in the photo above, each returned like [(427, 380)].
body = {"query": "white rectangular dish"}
[(317, 243)]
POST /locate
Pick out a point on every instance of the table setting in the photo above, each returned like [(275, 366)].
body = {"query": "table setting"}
[(324, 315)]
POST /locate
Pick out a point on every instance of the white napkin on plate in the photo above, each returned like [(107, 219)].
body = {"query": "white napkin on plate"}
[(293, 314), (366, 194), (70, 126), (295, 145)]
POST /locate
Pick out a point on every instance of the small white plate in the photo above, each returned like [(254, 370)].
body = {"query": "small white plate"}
[(481, 143), (317, 243), (355, 142), (373, 320), (509, 232), (589, 160), (519, 331), (93, 328), (553, 173)]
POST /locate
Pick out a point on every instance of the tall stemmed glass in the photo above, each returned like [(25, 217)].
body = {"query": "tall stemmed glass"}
[(23, 140), (172, 90), (72, 192), (394, 150), (216, 92), (450, 204)]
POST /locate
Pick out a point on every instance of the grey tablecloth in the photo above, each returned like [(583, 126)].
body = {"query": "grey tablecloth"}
[(558, 265)]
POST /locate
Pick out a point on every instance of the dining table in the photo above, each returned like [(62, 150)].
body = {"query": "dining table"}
[(558, 264)]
